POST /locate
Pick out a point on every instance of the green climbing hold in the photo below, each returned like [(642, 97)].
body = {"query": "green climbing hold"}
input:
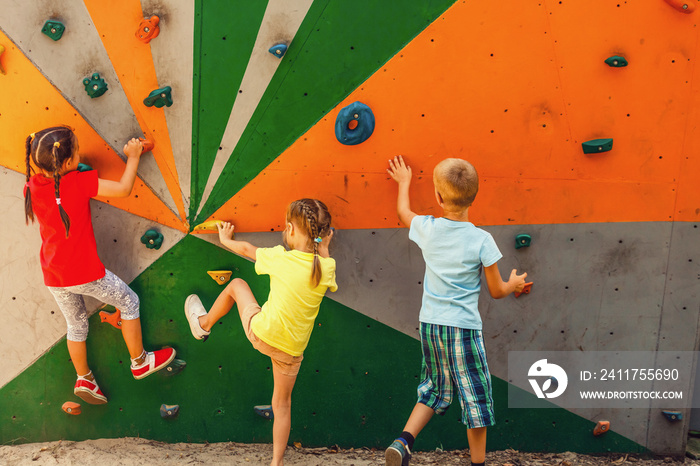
[(83, 167), (595, 146), (95, 86), (616, 61), (522, 241), (54, 29), (153, 239), (159, 98)]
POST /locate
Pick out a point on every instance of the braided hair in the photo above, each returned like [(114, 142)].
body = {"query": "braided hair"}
[(313, 217), (48, 149)]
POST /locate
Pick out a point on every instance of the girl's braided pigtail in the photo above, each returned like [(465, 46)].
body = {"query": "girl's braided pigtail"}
[(57, 184), (28, 211), (312, 225)]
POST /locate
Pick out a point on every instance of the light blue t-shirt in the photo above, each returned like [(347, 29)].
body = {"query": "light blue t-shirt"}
[(454, 253)]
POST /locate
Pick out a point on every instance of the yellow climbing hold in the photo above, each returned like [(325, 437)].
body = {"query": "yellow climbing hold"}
[(207, 227), (220, 276)]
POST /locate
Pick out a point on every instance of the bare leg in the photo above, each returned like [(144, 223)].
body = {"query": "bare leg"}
[(131, 331), (78, 355), (282, 407), (477, 444), (418, 419), (237, 291)]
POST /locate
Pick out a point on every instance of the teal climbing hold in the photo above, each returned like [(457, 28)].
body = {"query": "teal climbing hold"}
[(54, 29), (673, 416), (522, 241), (169, 411), (153, 239), (95, 86), (83, 167), (354, 124), (159, 98), (616, 61), (595, 146), (264, 411), (278, 50), (175, 367)]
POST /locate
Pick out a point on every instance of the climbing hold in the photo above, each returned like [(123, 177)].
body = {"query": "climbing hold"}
[(522, 241), (264, 411), (71, 407), (148, 29), (354, 124), (526, 290), (83, 167), (95, 86), (595, 146), (616, 61), (175, 367), (169, 411), (673, 416), (53, 28), (2, 50), (153, 239), (160, 97), (147, 144), (112, 318), (220, 276), (601, 428), (207, 227), (685, 6), (278, 50)]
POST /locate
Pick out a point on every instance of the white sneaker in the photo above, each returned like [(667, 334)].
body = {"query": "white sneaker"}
[(194, 309)]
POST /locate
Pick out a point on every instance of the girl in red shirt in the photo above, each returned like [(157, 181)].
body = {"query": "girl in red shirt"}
[(57, 195)]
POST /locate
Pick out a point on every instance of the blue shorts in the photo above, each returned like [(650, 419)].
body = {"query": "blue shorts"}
[(456, 358)]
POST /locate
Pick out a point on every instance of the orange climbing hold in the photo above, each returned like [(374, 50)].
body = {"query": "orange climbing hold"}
[(684, 6), (526, 290), (147, 144), (601, 428), (2, 49), (148, 29), (112, 318), (71, 407)]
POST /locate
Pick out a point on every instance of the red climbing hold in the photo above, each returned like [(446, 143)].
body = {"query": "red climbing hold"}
[(147, 144), (112, 318), (71, 407), (601, 428), (526, 290)]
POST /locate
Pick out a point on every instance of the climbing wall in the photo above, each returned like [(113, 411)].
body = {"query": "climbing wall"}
[(517, 88)]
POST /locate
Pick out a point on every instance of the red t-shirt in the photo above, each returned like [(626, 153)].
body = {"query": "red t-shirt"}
[(67, 261)]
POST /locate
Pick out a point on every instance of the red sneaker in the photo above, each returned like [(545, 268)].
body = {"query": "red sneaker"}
[(155, 361), (89, 392)]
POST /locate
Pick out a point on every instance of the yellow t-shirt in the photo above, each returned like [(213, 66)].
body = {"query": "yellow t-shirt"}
[(287, 318)]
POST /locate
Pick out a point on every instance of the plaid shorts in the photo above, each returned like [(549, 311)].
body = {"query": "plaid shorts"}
[(456, 357)]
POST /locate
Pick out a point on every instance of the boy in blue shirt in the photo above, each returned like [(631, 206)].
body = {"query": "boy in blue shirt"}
[(454, 357)]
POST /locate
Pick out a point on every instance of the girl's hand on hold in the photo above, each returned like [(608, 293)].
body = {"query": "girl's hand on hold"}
[(518, 281), (325, 243), (133, 148), (399, 171), (225, 231)]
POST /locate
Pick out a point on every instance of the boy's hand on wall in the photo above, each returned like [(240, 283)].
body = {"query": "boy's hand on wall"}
[(225, 231), (133, 148), (518, 281), (399, 171)]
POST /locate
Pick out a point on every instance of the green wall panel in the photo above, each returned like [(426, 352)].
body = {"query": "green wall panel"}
[(356, 387), (338, 46), (224, 36)]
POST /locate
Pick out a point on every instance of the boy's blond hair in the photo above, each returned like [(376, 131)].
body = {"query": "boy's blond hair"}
[(457, 182)]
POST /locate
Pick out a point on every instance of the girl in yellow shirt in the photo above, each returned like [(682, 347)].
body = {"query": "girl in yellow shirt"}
[(299, 278)]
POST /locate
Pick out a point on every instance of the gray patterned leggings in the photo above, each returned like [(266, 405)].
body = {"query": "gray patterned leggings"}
[(110, 290)]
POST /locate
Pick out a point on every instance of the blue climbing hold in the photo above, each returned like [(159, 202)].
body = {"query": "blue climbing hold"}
[(264, 411), (354, 124), (83, 167), (278, 50), (673, 416), (153, 239), (159, 98)]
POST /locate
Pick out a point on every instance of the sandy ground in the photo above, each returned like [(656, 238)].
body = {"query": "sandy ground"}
[(134, 451)]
